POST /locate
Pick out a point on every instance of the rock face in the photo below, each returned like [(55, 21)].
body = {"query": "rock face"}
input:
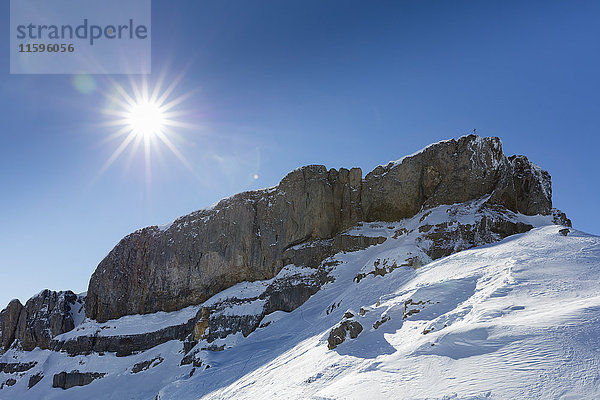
[(122, 345), (44, 316), (285, 293), (251, 236), (456, 171), (67, 380), (9, 318), (241, 239)]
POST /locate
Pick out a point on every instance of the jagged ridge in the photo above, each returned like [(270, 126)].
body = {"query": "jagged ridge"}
[(252, 235), (243, 238)]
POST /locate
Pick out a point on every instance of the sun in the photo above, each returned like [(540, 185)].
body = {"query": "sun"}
[(146, 119)]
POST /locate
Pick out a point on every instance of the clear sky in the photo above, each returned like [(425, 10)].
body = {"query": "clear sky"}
[(280, 84)]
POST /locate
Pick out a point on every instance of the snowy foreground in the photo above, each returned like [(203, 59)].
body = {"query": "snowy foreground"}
[(519, 319)]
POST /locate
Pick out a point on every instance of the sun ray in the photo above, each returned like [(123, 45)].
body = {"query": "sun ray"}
[(179, 124), (118, 152), (137, 94), (165, 95), (158, 86), (123, 131), (145, 117), (126, 98), (148, 160), (177, 101), (174, 150)]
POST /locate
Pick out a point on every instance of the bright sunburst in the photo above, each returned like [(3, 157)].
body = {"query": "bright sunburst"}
[(145, 117)]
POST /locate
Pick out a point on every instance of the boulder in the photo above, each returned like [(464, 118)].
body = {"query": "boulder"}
[(349, 327)]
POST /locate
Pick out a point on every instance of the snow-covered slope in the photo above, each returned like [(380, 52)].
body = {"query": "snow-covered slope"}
[(514, 319), (517, 319)]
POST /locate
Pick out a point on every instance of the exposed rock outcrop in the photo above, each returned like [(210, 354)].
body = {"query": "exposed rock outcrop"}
[(232, 315), (122, 345), (144, 365), (241, 239), (9, 382), (43, 317), (245, 237), (250, 236), (67, 380), (11, 368), (311, 254), (493, 223), (349, 327), (9, 319), (35, 379)]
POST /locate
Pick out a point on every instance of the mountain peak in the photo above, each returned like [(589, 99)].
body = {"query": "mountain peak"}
[(322, 241), (245, 236)]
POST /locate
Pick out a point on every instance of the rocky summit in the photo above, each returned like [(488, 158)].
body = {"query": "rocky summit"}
[(245, 237), (170, 298)]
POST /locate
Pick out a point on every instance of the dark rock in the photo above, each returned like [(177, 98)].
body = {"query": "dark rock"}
[(123, 345), (494, 224), (311, 254), (144, 365), (560, 218), (283, 294), (12, 368), (192, 358), (564, 231), (381, 321), (384, 268), (9, 319), (524, 187), (35, 379), (44, 316), (448, 172), (417, 306), (67, 380), (10, 381), (338, 334)]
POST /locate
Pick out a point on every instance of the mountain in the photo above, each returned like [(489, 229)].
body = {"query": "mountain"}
[(444, 275)]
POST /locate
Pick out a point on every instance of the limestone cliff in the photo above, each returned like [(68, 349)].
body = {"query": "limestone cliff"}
[(44, 316), (247, 237)]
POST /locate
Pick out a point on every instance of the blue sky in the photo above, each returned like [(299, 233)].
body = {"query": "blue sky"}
[(280, 84)]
